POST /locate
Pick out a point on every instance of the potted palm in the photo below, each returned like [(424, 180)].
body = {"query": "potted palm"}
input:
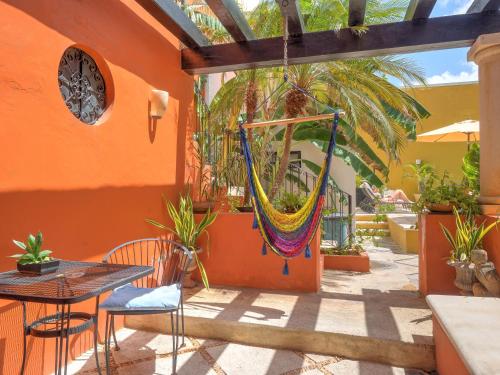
[(34, 260), (187, 231), (468, 239)]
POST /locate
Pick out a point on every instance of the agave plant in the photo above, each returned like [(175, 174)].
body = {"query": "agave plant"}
[(468, 237), (186, 229), (33, 250)]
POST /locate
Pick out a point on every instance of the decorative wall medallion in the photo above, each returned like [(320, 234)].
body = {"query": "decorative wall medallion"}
[(82, 85)]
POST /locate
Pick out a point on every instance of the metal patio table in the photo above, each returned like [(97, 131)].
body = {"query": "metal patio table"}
[(73, 282)]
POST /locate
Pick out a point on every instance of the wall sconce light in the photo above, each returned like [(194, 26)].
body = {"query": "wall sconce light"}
[(159, 101)]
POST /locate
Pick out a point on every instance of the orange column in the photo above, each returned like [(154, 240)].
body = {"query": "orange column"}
[(485, 52)]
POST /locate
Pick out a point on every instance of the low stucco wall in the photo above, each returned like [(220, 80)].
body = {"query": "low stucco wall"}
[(435, 276), (235, 258)]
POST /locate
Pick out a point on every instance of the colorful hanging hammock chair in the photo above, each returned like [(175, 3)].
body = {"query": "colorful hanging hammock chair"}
[(288, 235)]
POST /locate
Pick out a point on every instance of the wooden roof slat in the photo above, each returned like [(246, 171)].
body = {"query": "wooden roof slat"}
[(419, 9), (173, 18), (386, 39), (483, 6), (357, 9), (230, 15), (295, 20)]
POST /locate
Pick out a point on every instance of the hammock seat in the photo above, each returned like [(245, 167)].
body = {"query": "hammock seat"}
[(288, 235)]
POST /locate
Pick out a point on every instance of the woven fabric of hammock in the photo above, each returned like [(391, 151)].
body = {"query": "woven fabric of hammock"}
[(288, 235)]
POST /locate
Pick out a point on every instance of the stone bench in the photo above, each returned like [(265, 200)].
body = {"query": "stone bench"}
[(466, 334)]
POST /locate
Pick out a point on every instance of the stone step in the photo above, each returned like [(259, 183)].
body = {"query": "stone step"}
[(372, 225), (372, 232), (296, 322), (364, 217)]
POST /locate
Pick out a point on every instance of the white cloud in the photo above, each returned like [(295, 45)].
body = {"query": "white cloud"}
[(463, 7), (469, 75)]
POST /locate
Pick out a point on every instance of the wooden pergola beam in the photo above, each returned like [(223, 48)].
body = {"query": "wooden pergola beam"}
[(419, 9), (357, 9), (176, 21), (386, 39), (230, 15), (483, 6), (291, 9)]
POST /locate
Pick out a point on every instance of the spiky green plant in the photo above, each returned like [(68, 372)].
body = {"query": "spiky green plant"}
[(33, 250), (468, 236), (186, 229)]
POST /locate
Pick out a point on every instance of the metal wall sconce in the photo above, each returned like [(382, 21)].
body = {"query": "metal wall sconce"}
[(158, 100)]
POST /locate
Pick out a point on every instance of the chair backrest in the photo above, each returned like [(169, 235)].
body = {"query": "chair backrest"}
[(169, 259)]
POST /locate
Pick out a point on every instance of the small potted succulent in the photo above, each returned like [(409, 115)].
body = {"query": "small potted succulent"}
[(187, 231), (468, 239), (34, 260)]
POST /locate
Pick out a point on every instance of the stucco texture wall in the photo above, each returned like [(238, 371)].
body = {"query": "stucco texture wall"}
[(447, 104), (87, 188)]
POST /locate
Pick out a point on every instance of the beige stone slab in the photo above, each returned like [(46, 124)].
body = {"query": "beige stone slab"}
[(242, 359), (347, 367), (473, 327)]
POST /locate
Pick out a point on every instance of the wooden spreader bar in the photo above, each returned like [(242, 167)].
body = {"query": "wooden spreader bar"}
[(288, 121)]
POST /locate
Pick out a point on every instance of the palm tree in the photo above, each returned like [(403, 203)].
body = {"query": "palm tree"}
[(358, 86)]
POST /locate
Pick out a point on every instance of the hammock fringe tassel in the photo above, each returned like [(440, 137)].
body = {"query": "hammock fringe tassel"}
[(255, 225), (285, 268), (308, 251), (264, 249)]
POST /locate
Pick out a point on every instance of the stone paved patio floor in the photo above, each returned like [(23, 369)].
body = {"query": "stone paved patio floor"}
[(146, 353)]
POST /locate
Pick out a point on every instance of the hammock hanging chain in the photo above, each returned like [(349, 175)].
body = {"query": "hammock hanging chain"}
[(285, 45)]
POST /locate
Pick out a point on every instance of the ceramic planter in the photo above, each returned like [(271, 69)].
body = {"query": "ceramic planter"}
[(39, 268), (464, 276), (188, 276), (203, 207), (439, 207)]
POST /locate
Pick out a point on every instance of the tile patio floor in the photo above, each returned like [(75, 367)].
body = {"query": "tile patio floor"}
[(147, 353)]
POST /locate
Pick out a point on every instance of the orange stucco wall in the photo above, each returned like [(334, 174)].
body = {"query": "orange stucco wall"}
[(435, 276), (236, 259), (447, 359), (88, 188)]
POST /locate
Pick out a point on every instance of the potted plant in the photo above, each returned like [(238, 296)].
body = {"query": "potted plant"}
[(187, 232), (467, 239), (445, 196), (423, 173), (290, 202), (34, 260)]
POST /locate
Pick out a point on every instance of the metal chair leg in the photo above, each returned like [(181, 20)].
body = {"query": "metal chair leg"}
[(174, 343), (182, 322), (107, 342), (96, 335), (25, 333), (114, 334)]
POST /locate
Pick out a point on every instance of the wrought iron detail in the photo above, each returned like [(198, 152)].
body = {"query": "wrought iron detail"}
[(82, 85)]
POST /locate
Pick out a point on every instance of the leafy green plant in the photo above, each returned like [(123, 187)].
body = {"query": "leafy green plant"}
[(468, 236), (447, 192), (33, 250), (423, 173), (290, 202), (470, 167), (186, 229)]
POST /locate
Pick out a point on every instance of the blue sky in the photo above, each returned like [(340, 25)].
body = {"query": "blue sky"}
[(439, 67), (446, 66)]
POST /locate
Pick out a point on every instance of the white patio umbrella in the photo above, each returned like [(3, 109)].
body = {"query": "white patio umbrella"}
[(464, 131)]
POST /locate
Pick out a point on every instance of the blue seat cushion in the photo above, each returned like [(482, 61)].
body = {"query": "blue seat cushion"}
[(128, 297)]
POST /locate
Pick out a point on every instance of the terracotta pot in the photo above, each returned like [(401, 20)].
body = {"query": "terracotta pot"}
[(464, 276), (188, 279), (245, 209), (203, 207), (439, 207)]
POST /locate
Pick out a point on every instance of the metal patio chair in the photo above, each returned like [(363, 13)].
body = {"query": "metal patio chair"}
[(158, 293)]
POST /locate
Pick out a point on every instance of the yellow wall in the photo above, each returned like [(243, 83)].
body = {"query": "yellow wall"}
[(447, 104)]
